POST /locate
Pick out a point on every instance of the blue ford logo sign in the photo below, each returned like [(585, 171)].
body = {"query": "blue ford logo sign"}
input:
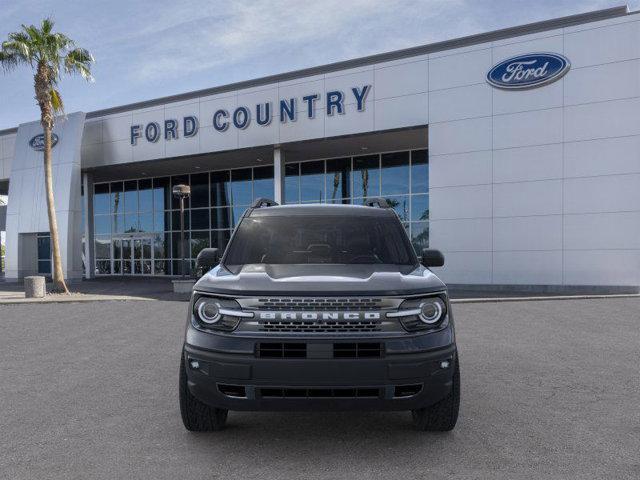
[(37, 142), (528, 71)]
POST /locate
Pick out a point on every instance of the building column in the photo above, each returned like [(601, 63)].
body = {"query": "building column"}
[(87, 186), (278, 175)]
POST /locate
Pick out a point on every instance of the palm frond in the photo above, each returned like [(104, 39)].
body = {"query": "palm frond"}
[(47, 25), (56, 101), (79, 60)]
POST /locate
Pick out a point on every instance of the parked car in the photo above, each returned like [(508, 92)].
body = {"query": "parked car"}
[(319, 307)]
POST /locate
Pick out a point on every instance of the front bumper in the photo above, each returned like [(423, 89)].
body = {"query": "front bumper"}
[(408, 374)]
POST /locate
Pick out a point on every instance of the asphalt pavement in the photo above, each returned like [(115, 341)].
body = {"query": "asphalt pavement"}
[(550, 389)]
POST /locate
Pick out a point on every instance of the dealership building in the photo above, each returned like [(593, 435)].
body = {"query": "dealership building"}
[(515, 152)]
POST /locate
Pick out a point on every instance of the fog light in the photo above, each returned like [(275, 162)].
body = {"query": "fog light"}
[(194, 364), (444, 364)]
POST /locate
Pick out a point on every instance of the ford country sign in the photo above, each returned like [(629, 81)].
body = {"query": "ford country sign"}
[(37, 142), (528, 71)]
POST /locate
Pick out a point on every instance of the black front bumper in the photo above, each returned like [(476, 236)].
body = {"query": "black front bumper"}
[(225, 372)]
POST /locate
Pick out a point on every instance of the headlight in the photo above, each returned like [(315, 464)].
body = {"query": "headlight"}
[(217, 313), (422, 313), (431, 311), (208, 311)]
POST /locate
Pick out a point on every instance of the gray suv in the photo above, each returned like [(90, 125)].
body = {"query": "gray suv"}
[(319, 307)]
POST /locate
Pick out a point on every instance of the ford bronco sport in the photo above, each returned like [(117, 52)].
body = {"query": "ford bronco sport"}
[(319, 307)]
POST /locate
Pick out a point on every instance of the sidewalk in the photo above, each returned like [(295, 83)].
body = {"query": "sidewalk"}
[(103, 289)]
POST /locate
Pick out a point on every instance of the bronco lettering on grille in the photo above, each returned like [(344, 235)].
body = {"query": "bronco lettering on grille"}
[(319, 315)]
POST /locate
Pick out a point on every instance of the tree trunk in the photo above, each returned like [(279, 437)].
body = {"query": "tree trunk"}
[(59, 284), (42, 84)]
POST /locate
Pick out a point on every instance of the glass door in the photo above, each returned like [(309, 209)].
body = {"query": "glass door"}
[(132, 255), (142, 256)]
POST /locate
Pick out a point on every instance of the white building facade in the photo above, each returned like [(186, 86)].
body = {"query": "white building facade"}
[(526, 174)]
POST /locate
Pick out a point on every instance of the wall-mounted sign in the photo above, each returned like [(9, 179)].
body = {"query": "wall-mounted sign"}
[(528, 71), (37, 142), (286, 109)]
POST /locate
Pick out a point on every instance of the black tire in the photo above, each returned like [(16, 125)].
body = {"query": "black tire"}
[(441, 416), (198, 416)]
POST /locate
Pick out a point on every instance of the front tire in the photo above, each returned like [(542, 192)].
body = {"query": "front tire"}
[(443, 415), (196, 415)]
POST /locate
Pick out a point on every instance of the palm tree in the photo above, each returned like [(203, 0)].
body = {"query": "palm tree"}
[(47, 53)]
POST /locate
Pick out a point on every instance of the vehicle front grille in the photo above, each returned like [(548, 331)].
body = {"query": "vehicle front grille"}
[(302, 392), (282, 350), (328, 304), (319, 326), (335, 350), (357, 350)]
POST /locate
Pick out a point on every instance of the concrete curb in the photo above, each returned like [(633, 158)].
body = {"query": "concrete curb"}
[(73, 298), (541, 299)]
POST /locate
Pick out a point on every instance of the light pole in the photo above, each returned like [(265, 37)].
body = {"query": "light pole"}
[(182, 192)]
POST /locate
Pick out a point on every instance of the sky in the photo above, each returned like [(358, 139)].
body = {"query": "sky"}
[(149, 49)]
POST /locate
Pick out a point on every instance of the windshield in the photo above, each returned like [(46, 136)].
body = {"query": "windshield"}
[(295, 240)]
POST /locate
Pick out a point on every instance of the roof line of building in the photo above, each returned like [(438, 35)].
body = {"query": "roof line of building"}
[(494, 35)]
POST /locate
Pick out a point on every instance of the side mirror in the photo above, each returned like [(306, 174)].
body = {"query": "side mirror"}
[(432, 257), (207, 259)]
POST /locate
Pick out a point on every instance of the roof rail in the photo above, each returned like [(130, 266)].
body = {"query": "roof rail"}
[(264, 202), (376, 202)]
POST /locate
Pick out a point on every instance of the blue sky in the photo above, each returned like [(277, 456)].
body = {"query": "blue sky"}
[(145, 50)]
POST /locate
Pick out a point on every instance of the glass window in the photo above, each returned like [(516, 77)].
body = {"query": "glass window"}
[(220, 218), (419, 171), (401, 205), (199, 240), (175, 220), (200, 219), (117, 190), (175, 245), (179, 180), (366, 176), (145, 222), (312, 181), (162, 267), (44, 246), (338, 179), (292, 183), (178, 266), (200, 190), (236, 214), (320, 239), (395, 173), (161, 245), (161, 194), (420, 207), (117, 248), (241, 186), (131, 196), (102, 224), (220, 238), (263, 182), (44, 267), (220, 189), (161, 221), (126, 248), (145, 195), (131, 222), (420, 236), (103, 267), (118, 223), (101, 198), (103, 247)]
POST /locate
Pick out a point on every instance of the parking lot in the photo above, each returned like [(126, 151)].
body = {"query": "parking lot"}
[(550, 389)]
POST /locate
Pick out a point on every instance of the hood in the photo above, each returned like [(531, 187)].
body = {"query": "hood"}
[(320, 279)]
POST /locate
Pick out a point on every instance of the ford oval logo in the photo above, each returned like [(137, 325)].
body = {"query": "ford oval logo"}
[(528, 71), (37, 142)]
